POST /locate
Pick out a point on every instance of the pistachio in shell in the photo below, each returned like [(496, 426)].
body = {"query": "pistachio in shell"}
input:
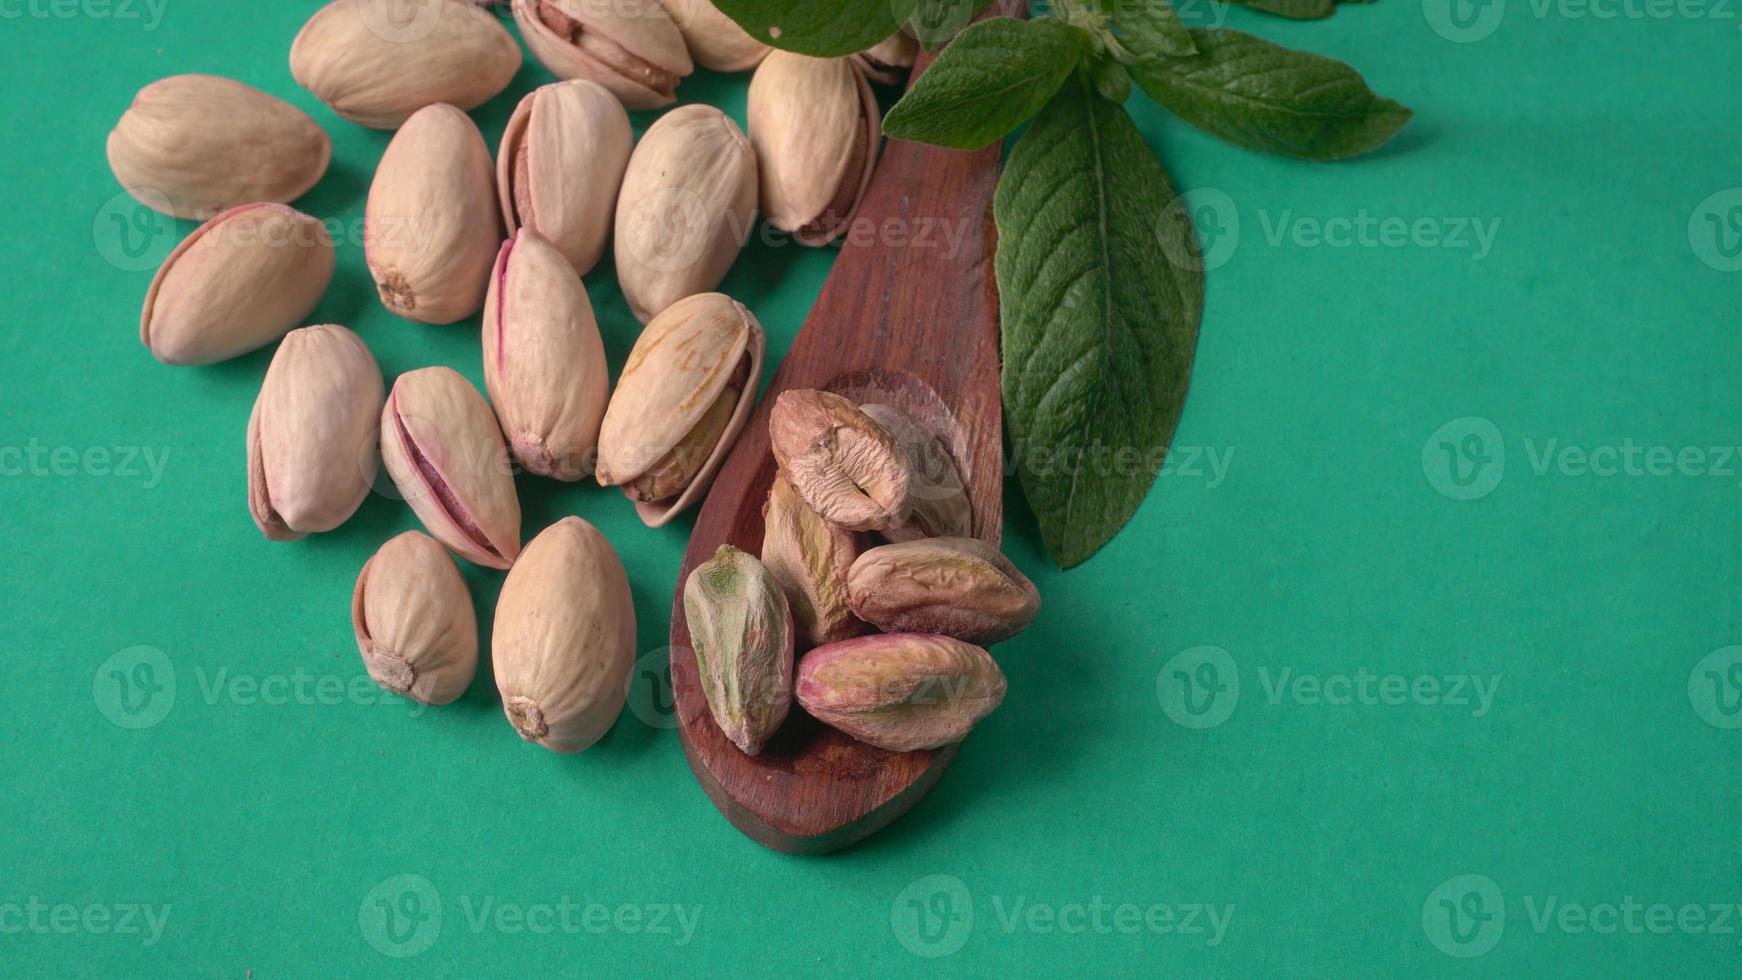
[(817, 132), (631, 47), (716, 42), (413, 620), (561, 165)]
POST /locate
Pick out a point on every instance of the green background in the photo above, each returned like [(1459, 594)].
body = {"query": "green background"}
[(1329, 380)]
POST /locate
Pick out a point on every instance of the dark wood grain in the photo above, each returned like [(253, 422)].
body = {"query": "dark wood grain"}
[(909, 317)]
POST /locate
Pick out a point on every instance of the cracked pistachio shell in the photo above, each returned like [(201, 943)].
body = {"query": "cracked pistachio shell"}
[(544, 362), (683, 363), (940, 497), (561, 165), (890, 61), (563, 643), (845, 466), (192, 146), (960, 587), (431, 226), (311, 436), (375, 62), (442, 447), (236, 284), (716, 42), (900, 691), (817, 132), (810, 558), (413, 619), (632, 47), (687, 205), (742, 630)]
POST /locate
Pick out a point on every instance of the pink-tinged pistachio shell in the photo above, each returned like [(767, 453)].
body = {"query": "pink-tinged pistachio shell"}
[(687, 205), (742, 630), (375, 62), (544, 362), (817, 132), (431, 227), (810, 558), (564, 638), (445, 454), (631, 47), (960, 587), (413, 619), (716, 42), (311, 436), (682, 364), (195, 145), (900, 691), (940, 497), (845, 466), (238, 283), (561, 165), (889, 61)]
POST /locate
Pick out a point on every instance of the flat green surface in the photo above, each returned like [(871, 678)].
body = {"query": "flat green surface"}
[(269, 810)]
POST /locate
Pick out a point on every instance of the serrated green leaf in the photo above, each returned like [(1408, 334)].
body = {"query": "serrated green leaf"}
[(1102, 288), (1265, 97), (992, 79), (935, 22), (1149, 29), (1292, 9), (823, 28)]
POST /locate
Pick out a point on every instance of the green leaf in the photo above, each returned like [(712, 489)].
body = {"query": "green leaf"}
[(824, 28), (1265, 97), (935, 22), (1102, 288), (1110, 79), (992, 79), (1292, 9), (1150, 29)]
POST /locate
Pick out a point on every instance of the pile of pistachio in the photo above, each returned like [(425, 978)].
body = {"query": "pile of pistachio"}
[(450, 231), (847, 475)]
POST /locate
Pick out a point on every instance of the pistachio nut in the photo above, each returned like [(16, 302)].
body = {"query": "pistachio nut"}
[(940, 498), (687, 205), (900, 691), (716, 42), (311, 436), (742, 631), (544, 362), (192, 146), (817, 132), (413, 618), (375, 62), (236, 284), (663, 437), (845, 466), (564, 639), (960, 587), (810, 558), (889, 61), (631, 47), (561, 165), (445, 454), (431, 227)]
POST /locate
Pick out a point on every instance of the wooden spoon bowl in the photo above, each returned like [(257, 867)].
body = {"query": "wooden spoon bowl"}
[(909, 318)]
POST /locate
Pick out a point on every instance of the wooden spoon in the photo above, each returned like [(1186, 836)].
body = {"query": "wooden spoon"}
[(908, 317)]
